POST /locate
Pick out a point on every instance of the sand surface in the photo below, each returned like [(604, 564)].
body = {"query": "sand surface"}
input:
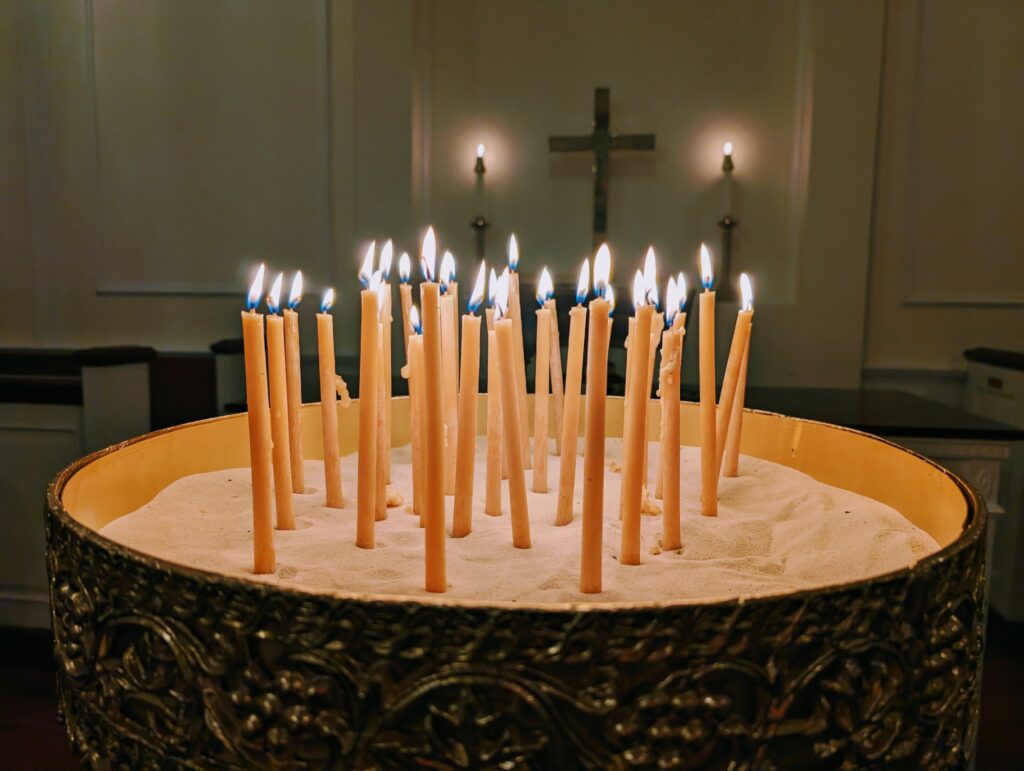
[(778, 530)]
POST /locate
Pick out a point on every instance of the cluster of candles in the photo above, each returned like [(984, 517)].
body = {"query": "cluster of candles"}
[(443, 390)]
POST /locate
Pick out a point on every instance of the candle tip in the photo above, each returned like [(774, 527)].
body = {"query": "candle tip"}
[(477, 297), (447, 270), (501, 296), (255, 289), (328, 300), (602, 269), (386, 253), (492, 287), (513, 253), (584, 281), (414, 321), (747, 292), (295, 296), (428, 254), (545, 287), (707, 275), (727, 148), (366, 271), (274, 296), (480, 151), (404, 268)]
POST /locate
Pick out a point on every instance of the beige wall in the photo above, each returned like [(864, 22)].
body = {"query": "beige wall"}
[(153, 149)]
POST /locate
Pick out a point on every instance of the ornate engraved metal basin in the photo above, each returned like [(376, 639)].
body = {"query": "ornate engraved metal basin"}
[(165, 666)]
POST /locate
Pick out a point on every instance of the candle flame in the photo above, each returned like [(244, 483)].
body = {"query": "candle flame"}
[(501, 296), (513, 253), (366, 271), (255, 289), (374, 283), (385, 259), (747, 292), (584, 282), (274, 296), (447, 270), (683, 288), (295, 296), (651, 276), (404, 268), (545, 287), (414, 321), (428, 254), (727, 148), (707, 275), (492, 287), (476, 299), (480, 151), (609, 296), (602, 269), (671, 300), (328, 300), (639, 290)]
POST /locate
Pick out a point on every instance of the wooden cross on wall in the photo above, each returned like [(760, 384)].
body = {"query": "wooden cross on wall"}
[(601, 142)]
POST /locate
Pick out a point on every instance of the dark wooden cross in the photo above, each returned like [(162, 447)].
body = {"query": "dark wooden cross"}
[(601, 142)]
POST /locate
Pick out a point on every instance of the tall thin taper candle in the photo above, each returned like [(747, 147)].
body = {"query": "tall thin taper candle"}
[(515, 312), (293, 373), (636, 436), (708, 453), (540, 401), (258, 409), (678, 324), (380, 496), (405, 299), (492, 500), (416, 412), (671, 357), (570, 427), (436, 578), (279, 412), (557, 384), (737, 351), (730, 466), (469, 378), (329, 402), (593, 453), (449, 384), (367, 459)]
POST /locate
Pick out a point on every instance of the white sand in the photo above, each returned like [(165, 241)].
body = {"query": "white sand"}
[(777, 530)]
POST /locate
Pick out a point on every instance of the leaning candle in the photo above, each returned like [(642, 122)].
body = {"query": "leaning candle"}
[(433, 500), (258, 411), (449, 371), (279, 410), (368, 360), (740, 336), (636, 431), (293, 374), (557, 386), (730, 466), (504, 332), (708, 454), (469, 377), (540, 387), (329, 402), (385, 318), (492, 499), (515, 313), (570, 427), (405, 299), (593, 452)]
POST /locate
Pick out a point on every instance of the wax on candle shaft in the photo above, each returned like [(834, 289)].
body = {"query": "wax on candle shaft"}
[(504, 331), (462, 519), (556, 375), (293, 372), (732, 372), (435, 569), (416, 408), (669, 388), (730, 466), (636, 433), (570, 427), (515, 313), (708, 453), (492, 500), (329, 411), (540, 401)]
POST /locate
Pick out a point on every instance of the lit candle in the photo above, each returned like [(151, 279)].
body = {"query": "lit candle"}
[(405, 298), (668, 391), (469, 377), (730, 466), (435, 579), (492, 500), (479, 170), (540, 386), (368, 374), (449, 371), (570, 426), (505, 337), (594, 433), (708, 453), (380, 496), (258, 410), (416, 410), (515, 313), (727, 169), (675, 318), (636, 430), (293, 375), (740, 336), (657, 325), (329, 402), (279, 409), (384, 300)]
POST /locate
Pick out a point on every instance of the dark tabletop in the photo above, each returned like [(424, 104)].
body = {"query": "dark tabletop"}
[(881, 412)]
